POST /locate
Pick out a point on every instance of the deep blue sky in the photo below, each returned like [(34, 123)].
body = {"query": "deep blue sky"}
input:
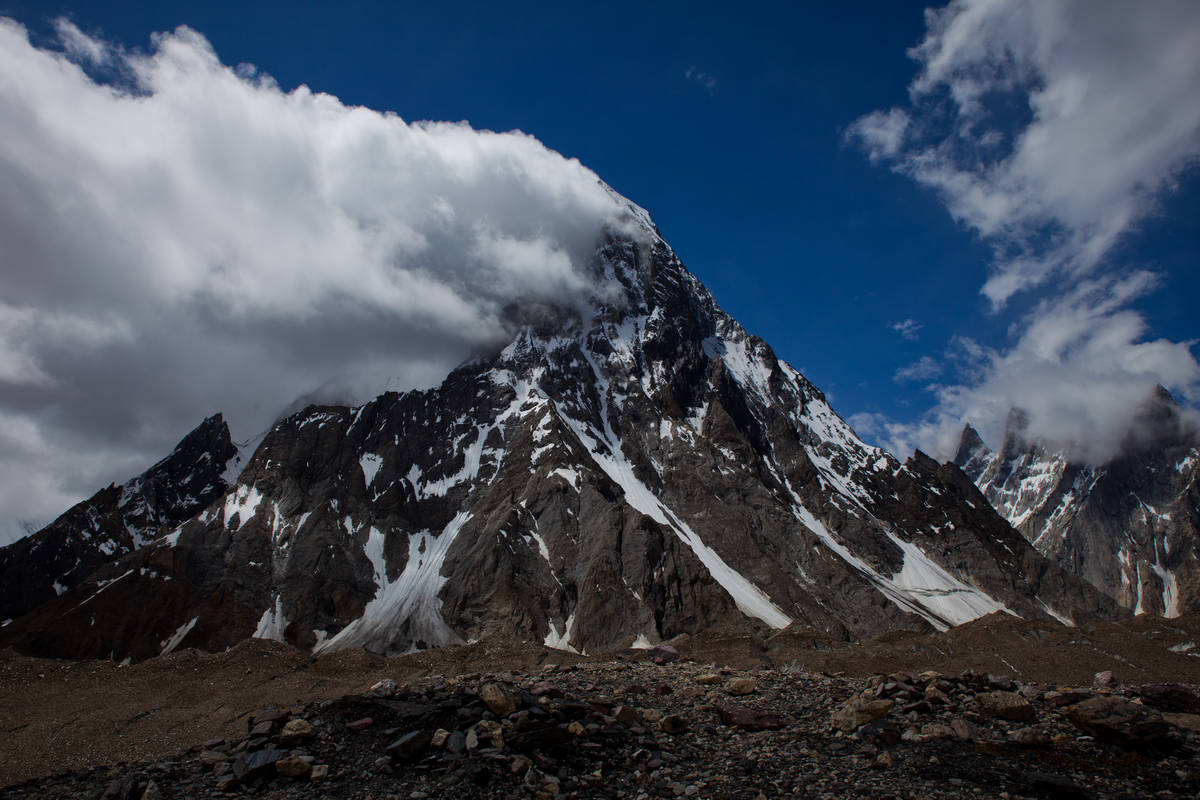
[(744, 170)]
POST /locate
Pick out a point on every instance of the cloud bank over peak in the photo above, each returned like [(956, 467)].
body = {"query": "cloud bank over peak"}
[(181, 237), (1051, 130)]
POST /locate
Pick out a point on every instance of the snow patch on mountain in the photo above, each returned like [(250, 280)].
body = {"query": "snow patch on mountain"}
[(407, 609), (171, 642)]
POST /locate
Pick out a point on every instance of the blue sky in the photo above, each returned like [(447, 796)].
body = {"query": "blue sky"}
[(742, 132)]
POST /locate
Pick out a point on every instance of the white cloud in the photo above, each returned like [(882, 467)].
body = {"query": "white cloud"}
[(908, 328), (923, 369), (880, 132), (197, 239), (1049, 128), (1052, 129), (705, 80), (1082, 369)]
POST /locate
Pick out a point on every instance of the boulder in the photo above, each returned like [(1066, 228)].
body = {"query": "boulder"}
[(257, 764), (1188, 722), (296, 730), (293, 767), (410, 746), (748, 719), (662, 654), (673, 723), (1170, 697), (1119, 721), (383, 688), (1006, 705), (499, 700), (858, 711)]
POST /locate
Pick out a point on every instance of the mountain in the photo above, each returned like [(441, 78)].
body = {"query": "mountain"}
[(116, 520), (1129, 527), (617, 474)]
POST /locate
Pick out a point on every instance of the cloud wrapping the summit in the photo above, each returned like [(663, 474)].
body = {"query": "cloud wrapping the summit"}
[(182, 237)]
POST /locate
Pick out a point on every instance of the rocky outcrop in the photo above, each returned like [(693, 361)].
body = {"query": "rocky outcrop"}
[(1130, 527), (116, 520)]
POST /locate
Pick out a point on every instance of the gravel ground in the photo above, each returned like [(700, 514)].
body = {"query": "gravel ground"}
[(177, 726)]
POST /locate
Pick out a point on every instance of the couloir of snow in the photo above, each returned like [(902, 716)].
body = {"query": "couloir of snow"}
[(937, 590), (243, 502), (561, 641), (272, 624), (171, 642), (369, 463), (605, 449), (407, 609)]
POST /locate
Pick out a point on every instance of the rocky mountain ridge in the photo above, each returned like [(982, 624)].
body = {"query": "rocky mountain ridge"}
[(1130, 527), (117, 520), (617, 474)]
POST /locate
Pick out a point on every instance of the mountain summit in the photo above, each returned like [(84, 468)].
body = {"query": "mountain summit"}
[(1130, 527), (620, 473), (117, 520)]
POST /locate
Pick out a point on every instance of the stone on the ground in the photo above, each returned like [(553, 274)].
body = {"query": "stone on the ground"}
[(383, 688), (1170, 697), (734, 714), (296, 730), (1030, 736), (212, 757), (410, 745), (858, 711), (499, 700), (662, 654), (741, 686), (673, 723), (1188, 722), (1119, 721), (256, 764), (293, 767), (1006, 705)]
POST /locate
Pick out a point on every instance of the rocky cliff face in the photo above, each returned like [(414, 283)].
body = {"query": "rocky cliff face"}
[(618, 474), (1129, 527), (116, 520)]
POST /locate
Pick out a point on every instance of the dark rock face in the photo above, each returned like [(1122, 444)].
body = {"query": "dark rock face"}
[(1130, 527), (628, 472), (116, 520)]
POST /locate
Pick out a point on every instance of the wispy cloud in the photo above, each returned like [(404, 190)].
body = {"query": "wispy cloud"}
[(923, 369), (1052, 130), (1111, 121), (696, 75), (1082, 369), (908, 328)]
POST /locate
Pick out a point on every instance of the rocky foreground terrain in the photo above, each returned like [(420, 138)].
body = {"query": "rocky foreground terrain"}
[(999, 708)]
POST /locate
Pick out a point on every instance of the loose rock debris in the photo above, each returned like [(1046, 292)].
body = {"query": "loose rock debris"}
[(637, 729)]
